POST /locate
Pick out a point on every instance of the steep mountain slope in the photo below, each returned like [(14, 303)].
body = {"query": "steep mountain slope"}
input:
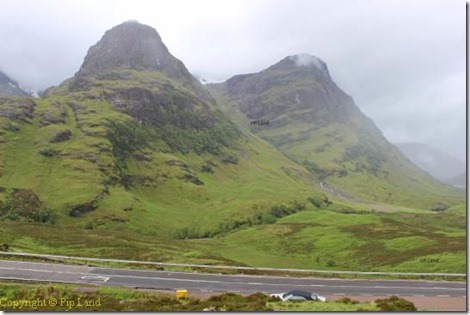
[(10, 87), (439, 164), (133, 140), (296, 106)]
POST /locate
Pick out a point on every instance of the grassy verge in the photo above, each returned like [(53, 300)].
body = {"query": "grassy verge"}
[(61, 297)]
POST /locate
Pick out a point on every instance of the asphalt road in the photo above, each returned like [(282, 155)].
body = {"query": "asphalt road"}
[(164, 280)]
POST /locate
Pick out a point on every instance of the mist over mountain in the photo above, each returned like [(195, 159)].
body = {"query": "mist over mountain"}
[(11, 87), (459, 180), (438, 163)]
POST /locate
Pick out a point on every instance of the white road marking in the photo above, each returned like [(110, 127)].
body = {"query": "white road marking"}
[(48, 271), (95, 278), (425, 288), (83, 275)]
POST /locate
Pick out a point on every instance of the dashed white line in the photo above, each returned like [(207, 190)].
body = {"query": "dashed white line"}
[(100, 279)]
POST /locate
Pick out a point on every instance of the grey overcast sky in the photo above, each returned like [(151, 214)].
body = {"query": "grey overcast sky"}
[(403, 61)]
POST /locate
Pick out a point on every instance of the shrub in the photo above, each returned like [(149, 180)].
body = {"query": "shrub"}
[(206, 169), (89, 225), (327, 201), (258, 218), (395, 304), (317, 202), (23, 204), (315, 169), (76, 211), (48, 152), (44, 215), (439, 207), (346, 300), (190, 233), (226, 159), (331, 263)]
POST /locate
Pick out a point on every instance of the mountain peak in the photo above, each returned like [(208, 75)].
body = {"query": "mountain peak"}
[(130, 45), (304, 61)]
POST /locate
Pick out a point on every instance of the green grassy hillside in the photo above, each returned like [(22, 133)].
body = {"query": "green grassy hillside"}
[(71, 162), (142, 178), (223, 207)]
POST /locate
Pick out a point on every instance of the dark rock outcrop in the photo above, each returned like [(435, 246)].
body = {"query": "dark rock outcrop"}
[(60, 136), (17, 108), (11, 87)]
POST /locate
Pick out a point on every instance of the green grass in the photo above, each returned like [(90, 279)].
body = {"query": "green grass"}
[(71, 297), (329, 306), (323, 239), (408, 243)]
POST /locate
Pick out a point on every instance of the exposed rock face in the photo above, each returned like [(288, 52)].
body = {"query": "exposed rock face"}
[(299, 82), (61, 136), (10, 87), (17, 108), (147, 106), (134, 46), (131, 46)]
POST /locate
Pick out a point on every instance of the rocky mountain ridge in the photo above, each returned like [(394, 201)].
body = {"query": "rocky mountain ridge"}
[(11, 87)]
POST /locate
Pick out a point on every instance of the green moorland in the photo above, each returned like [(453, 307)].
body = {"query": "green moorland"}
[(61, 297), (316, 239), (80, 177)]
